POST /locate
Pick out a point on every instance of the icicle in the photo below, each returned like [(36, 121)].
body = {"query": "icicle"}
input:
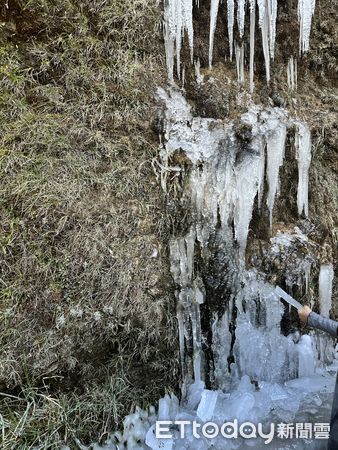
[(275, 156), (231, 20), (303, 147), (252, 42), (213, 22), (249, 178), (241, 16), (291, 73), (306, 9), (169, 42), (264, 25), (177, 18), (199, 76), (187, 6), (272, 5), (239, 53), (325, 289)]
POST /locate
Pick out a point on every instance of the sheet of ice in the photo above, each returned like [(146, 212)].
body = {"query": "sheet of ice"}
[(306, 9), (213, 20), (303, 151), (326, 275)]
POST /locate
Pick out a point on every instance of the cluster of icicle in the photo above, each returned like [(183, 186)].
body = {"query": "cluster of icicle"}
[(178, 19), (225, 180)]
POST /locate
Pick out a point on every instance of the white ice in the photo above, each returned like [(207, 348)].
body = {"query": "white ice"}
[(231, 21), (326, 275), (306, 9), (241, 16), (213, 22), (303, 151)]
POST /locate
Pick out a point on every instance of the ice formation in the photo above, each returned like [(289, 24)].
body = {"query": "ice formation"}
[(267, 22), (306, 9), (252, 43), (326, 275), (275, 156), (177, 20), (303, 148), (240, 62), (231, 21), (241, 16), (213, 20), (292, 73), (256, 372)]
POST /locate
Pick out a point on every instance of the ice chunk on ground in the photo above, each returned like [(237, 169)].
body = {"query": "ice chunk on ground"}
[(207, 405)]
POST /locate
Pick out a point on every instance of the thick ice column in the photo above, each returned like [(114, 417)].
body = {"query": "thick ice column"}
[(213, 22), (303, 148), (326, 275), (248, 182), (275, 157), (231, 20), (306, 9)]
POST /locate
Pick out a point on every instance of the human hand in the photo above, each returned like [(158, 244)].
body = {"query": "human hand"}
[(304, 314)]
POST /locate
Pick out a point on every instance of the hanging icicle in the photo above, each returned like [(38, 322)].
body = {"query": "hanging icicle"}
[(306, 9), (303, 147), (252, 42), (240, 62), (213, 22), (241, 16), (231, 20), (275, 144), (177, 19), (292, 73)]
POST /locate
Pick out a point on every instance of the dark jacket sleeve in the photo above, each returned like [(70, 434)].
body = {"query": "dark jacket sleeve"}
[(322, 323)]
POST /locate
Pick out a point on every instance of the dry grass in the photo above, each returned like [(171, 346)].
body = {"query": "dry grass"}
[(87, 325)]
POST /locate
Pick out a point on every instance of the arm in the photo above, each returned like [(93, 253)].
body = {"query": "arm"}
[(317, 321), (322, 323)]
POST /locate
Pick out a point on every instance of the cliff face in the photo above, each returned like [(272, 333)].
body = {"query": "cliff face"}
[(87, 299)]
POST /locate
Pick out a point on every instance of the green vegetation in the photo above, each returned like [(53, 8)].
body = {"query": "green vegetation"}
[(87, 327)]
